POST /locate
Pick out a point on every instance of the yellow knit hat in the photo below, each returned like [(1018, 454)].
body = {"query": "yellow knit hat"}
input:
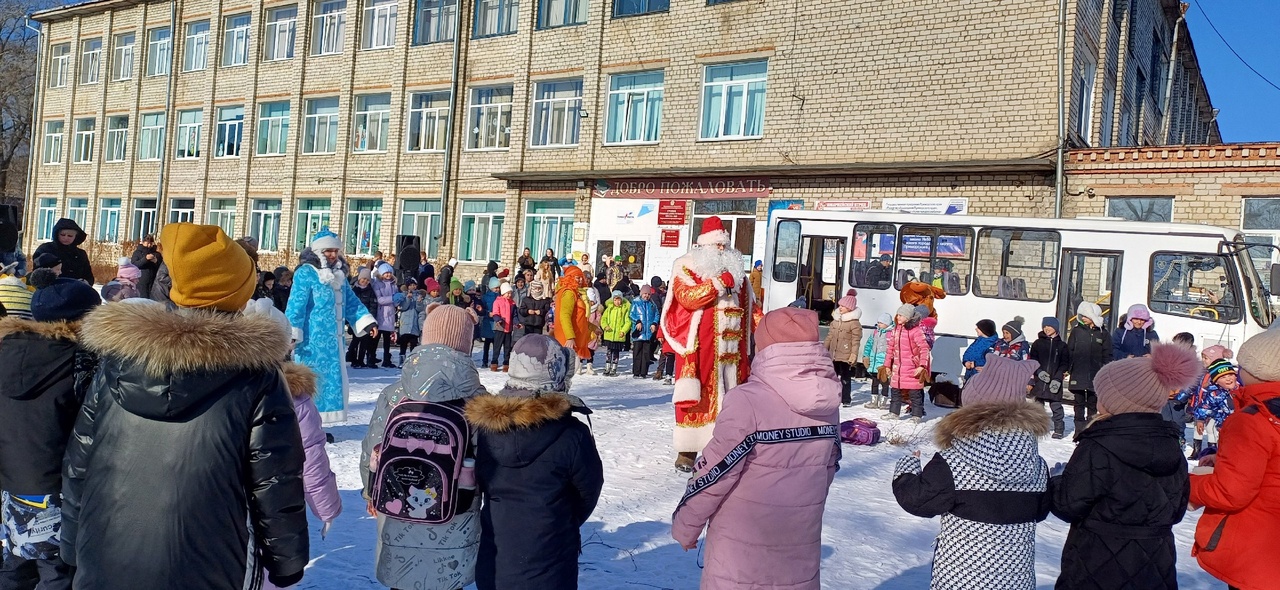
[(208, 269)]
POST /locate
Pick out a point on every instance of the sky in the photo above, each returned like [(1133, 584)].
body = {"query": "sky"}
[(1250, 108)]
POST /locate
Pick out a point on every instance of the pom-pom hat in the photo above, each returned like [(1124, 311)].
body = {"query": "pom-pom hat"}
[(1143, 384), (1260, 356), (1001, 381)]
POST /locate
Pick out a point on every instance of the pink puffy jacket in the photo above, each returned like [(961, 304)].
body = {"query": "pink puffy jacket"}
[(764, 516), (908, 351)]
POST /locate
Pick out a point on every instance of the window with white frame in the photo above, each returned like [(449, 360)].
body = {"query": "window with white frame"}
[(364, 226), (53, 131), (195, 51), (264, 223), (313, 216), (282, 27), (328, 27), (90, 60), (561, 13), (46, 216), (151, 137), (78, 211), (159, 51), (1155, 209), (122, 56), (490, 118), (733, 100), (320, 131), (379, 30), (188, 140), (738, 217), (59, 65), (434, 21), (108, 220), (235, 40), (222, 213), (421, 218), (496, 17), (548, 224), (480, 230), (144, 218), (230, 130), (1261, 224), (82, 149), (182, 211), (1088, 69), (428, 121), (372, 123), (117, 138), (635, 108), (273, 128), (556, 111)]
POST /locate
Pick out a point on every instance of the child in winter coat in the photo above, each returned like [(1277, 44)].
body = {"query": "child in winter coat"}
[(385, 289), (908, 360), (1136, 334), (538, 470), (644, 332), (873, 357), (457, 296), (1177, 407), (412, 305), (484, 309), (363, 351), (1012, 344), (125, 284), (503, 317), (842, 342), (987, 482), (1213, 404), (1126, 483), (534, 308), (928, 323), (763, 510), (616, 323), (1089, 346), (1054, 357), (975, 356)]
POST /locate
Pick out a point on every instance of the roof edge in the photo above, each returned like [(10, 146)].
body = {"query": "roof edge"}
[(1023, 165)]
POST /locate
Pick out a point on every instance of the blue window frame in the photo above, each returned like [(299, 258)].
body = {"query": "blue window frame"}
[(496, 17), (635, 108), (434, 21), (562, 13), (636, 7)]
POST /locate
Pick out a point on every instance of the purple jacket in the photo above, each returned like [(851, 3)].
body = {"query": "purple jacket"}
[(318, 480), (764, 516), (386, 294)]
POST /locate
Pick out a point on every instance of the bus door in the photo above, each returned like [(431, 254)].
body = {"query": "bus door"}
[(822, 261), (1088, 275)]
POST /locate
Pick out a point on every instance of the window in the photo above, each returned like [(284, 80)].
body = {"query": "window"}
[(273, 128), (733, 101), (422, 219), (490, 118), (182, 211), (222, 213), (556, 108), (328, 27), (82, 151), (786, 252), (379, 24), (109, 220), (59, 64), (1157, 209), (480, 235), (264, 224), (78, 211), (634, 7), (1195, 285), (560, 13), (235, 40), (1159, 70), (496, 17), (364, 226), (1261, 223), (373, 122), (159, 49), (195, 53), (281, 30), (151, 137), (144, 219), (635, 108), (1017, 264), (46, 217), (313, 216), (548, 224), (230, 130), (936, 255), (52, 144), (90, 61), (321, 126), (871, 241), (1257, 289), (434, 21), (739, 218), (122, 60), (428, 121), (1084, 102), (1108, 112), (189, 123)]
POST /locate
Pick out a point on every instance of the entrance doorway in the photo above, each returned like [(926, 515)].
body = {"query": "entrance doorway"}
[(821, 270), (1089, 275)]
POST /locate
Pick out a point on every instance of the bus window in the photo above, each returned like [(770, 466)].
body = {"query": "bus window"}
[(1193, 285), (1257, 287), (872, 241), (939, 256), (786, 252), (1017, 264)]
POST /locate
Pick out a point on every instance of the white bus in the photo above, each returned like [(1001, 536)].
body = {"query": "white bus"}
[(1194, 278)]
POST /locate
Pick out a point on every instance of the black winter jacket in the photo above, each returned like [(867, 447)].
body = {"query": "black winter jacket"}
[(148, 267), (367, 296), (75, 263), (533, 324), (1090, 349), (160, 289), (1124, 488), (186, 439), (540, 474), (43, 377), (1054, 358)]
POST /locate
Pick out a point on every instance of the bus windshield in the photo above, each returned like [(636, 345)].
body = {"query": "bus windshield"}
[(1259, 299)]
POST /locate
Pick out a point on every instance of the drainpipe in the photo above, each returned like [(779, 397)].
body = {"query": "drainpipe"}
[(455, 84), (1168, 83), (168, 110), (1062, 109), (37, 121)]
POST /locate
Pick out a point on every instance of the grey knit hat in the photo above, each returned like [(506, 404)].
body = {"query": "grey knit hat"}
[(539, 365)]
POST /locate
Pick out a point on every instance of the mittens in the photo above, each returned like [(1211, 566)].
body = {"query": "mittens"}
[(727, 279)]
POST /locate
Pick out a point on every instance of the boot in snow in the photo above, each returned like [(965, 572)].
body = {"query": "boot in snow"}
[(587, 369), (684, 462), (890, 416), (402, 360), (1195, 448), (874, 404), (493, 368), (667, 381), (387, 364), (657, 375), (506, 368)]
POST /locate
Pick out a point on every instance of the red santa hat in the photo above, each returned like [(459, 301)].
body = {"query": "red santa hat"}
[(713, 232)]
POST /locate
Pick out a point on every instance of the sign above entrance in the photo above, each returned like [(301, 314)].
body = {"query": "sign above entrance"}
[(673, 212), (697, 188)]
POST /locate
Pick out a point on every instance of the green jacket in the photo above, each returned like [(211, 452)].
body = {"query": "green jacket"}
[(616, 321)]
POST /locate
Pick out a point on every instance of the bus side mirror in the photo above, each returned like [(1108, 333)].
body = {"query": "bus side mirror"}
[(1275, 276)]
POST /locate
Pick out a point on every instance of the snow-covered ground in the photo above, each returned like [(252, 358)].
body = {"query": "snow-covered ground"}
[(868, 541)]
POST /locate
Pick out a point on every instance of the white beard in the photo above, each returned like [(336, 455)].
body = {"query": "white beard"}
[(709, 261)]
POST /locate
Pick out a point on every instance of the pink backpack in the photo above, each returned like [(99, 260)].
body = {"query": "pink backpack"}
[(859, 431), (418, 472)]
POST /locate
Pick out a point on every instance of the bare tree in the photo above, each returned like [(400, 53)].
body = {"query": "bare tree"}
[(18, 47)]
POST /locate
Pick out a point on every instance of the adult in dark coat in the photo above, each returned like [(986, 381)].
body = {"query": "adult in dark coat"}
[(67, 237), (1047, 384), (148, 260), (526, 261), (444, 276), (1090, 346), (602, 287), (880, 275), (539, 471)]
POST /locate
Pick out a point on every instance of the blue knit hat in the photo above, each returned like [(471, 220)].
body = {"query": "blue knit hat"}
[(64, 300)]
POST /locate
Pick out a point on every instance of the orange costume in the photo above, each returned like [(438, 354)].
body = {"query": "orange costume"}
[(917, 293), (571, 313)]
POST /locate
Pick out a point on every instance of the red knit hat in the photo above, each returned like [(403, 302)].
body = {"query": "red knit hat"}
[(789, 324)]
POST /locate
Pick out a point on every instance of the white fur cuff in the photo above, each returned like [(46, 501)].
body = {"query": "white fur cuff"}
[(714, 237), (687, 389), (363, 324), (297, 335)]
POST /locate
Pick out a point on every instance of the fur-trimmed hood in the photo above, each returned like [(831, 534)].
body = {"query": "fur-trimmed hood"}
[(35, 355), (515, 430), (997, 440), (300, 380), (974, 419), (69, 331)]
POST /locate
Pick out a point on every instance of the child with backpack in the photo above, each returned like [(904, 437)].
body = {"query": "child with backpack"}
[(1051, 352), (873, 355), (616, 324), (426, 521)]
